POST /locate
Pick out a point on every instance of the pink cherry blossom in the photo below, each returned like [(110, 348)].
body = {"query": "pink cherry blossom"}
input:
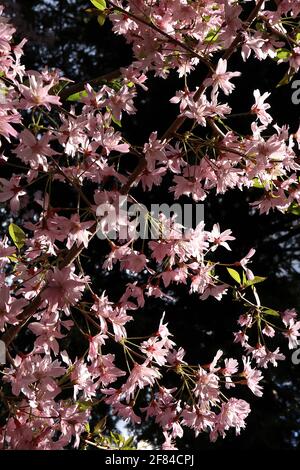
[(140, 376), (11, 191), (37, 93), (64, 288), (78, 231), (34, 151), (245, 261), (260, 107), (5, 251), (220, 239), (253, 377), (233, 414), (292, 333), (207, 385), (221, 79), (198, 418)]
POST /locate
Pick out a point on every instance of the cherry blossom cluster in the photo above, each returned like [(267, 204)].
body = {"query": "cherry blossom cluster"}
[(48, 394)]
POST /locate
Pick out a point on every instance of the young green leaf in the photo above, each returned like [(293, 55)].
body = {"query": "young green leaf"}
[(17, 235), (116, 121), (100, 4), (77, 96), (100, 426), (101, 19), (282, 53), (212, 36), (13, 258), (235, 275), (286, 78), (270, 311), (294, 209), (84, 405), (256, 280), (257, 183), (128, 444)]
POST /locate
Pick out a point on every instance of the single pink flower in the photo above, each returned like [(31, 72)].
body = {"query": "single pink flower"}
[(260, 107), (37, 93), (10, 190), (221, 79)]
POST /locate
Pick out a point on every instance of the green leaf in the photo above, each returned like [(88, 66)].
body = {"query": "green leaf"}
[(77, 96), (212, 36), (297, 38), (294, 209), (270, 311), (260, 26), (116, 84), (13, 258), (115, 438), (100, 4), (129, 442), (286, 78), (101, 19), (116, 121), (257, 183), (256, 280), (282, 53), (17, 235), (100, 426), (84, 405), (235, 275)]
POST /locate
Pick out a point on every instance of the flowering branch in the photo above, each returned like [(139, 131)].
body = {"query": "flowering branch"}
[(48, 393)]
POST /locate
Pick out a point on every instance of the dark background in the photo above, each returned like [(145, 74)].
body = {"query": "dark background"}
[(61, 34)]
